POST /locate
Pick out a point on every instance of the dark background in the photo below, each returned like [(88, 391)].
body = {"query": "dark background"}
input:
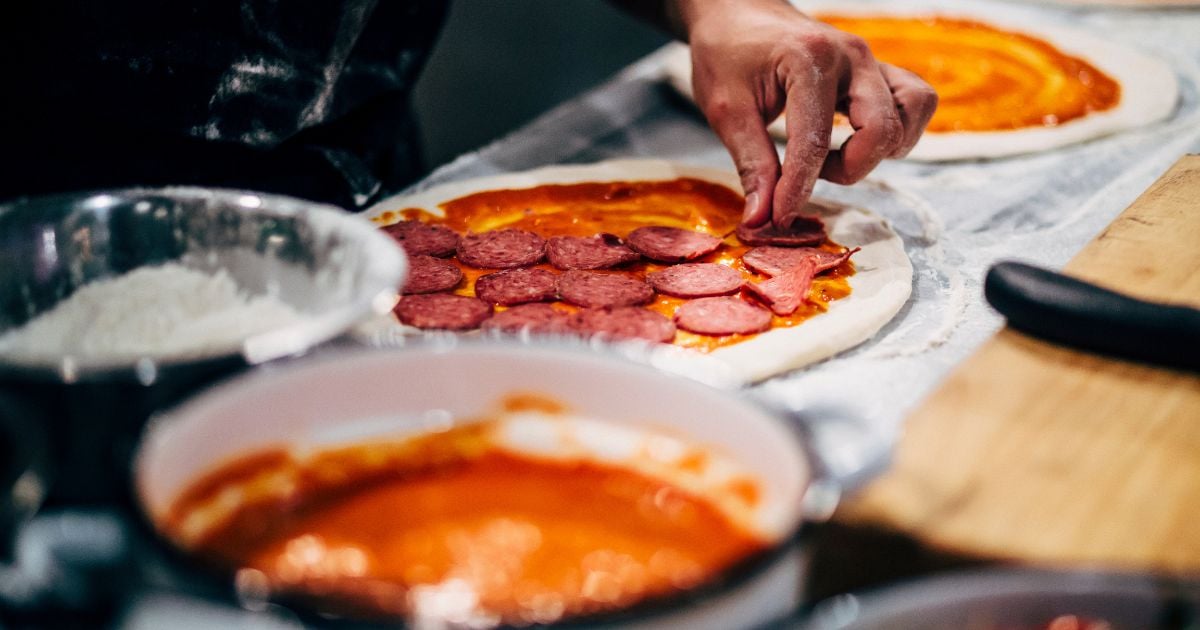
[(499, 63)]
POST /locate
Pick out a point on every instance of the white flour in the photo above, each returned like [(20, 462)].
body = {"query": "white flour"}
[(155, 312)]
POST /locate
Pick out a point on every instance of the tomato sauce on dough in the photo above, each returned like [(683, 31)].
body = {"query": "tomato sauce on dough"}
[(987, 79), (447, 528), (618, 208)]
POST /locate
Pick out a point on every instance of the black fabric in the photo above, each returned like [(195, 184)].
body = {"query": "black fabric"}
[(309, 98)]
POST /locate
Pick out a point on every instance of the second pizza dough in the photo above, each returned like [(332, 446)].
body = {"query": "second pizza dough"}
[(1148, 88)]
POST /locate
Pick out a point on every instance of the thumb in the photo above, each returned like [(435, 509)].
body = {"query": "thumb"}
[(739, 124)]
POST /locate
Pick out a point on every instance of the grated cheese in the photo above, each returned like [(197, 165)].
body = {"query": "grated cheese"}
[(158, 312)]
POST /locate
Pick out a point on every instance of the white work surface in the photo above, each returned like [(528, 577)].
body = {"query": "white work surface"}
[(956, 218)]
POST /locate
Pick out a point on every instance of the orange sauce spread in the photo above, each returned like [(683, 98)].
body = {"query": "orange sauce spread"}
[(987, 79), (446, 527), (619, 208)]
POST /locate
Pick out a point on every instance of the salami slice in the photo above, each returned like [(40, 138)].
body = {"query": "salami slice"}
[(671, 245), (772, 261), (722, 316), (517, 286), (596, 289), (423, 239), (599, 251), (501, 249), (693, 280), (803, 231), (787, 291), (444, 311), (427, 274), (626, 322), (535, 318)]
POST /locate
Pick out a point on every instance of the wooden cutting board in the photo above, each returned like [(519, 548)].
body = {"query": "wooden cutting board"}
[(1031, 452)]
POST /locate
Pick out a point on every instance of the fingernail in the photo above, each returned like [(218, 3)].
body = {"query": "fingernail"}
[(751, 206)]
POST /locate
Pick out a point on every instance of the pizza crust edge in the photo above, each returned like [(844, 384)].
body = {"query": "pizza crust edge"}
[(880, 287)]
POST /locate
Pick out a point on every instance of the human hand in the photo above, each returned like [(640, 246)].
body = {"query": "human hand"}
[(755, 59)]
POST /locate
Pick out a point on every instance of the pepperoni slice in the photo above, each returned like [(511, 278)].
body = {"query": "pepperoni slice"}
[(722, 316), (599, 251), (803, 231), (626, 322), (787, 291), (535, 318), (444, 311), (693, 280), (671, 245), (595, 289), (517, 286), (772, 261), (427, 274), (501, 249), (422, 239)]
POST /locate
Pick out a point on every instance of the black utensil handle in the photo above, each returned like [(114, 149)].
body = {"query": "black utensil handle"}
[(1072, 312)]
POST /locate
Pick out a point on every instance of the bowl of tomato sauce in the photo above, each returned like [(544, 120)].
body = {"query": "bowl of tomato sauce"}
[(482, 484)]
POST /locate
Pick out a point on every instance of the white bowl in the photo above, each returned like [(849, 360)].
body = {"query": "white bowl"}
[(376, 395)]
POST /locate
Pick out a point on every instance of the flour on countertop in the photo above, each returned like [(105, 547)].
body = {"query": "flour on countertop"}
[(156, 312)]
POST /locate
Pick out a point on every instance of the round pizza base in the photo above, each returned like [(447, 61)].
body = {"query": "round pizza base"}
[(1149, 89), (879, 288)]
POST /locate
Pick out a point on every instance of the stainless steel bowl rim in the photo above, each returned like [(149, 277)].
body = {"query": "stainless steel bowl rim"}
[(389, 262)]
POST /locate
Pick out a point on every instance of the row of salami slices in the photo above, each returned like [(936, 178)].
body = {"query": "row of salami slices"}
[(610, 301), (509, 248)]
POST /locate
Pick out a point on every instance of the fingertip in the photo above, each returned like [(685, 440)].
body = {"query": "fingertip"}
[(786, 221), (789, 206), (755, 212), (758, 185), (916, 102), (855, 160), (738, 122)]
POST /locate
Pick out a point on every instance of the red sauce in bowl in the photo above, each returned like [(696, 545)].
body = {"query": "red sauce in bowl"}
[(453, 528)]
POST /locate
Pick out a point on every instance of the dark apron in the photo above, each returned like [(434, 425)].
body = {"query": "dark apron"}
[(308, 98)]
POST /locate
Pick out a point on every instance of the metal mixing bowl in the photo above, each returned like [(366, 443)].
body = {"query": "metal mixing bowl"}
[(334, 268)]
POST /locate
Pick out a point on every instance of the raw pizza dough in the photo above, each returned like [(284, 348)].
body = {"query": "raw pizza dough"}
[(880, 287), (1149, 89)]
